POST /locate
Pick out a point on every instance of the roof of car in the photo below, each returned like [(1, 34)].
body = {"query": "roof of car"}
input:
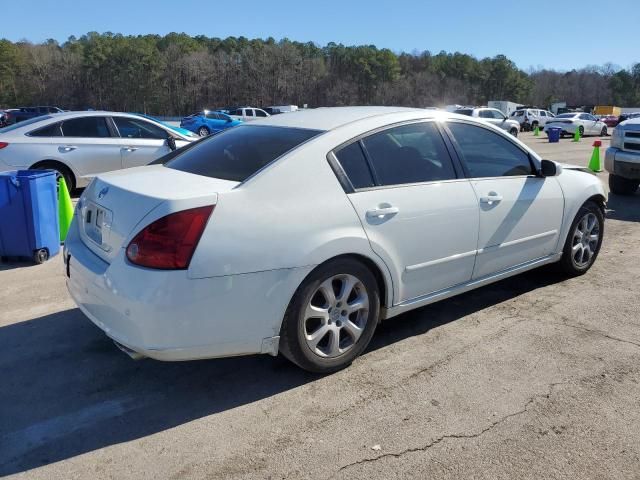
[(329, 118)]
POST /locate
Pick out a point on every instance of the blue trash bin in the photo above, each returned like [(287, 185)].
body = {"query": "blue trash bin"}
[(554, 134), (29, 214)]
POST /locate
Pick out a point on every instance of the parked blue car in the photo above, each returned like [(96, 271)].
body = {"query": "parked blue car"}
[(207, 122)]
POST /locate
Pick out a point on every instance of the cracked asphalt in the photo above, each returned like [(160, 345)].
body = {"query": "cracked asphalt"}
[(534, 377)]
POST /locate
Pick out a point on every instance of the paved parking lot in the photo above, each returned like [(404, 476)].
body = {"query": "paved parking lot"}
[(533, 377)]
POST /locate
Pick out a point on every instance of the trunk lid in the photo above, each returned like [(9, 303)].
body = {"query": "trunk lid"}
[(114, 205)]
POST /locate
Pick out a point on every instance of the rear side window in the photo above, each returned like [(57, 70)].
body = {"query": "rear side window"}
[(354, 164), (239, 152), (87, 127), (412, 153), (488, 154), (464, 111), (485, 114), (49, 131)]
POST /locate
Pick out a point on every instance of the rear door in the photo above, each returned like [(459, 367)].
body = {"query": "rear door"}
[(141, 142), (88, 145), (520, 213), (420, 216)]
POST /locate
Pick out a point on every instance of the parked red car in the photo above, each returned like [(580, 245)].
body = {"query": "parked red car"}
[(610, 120)]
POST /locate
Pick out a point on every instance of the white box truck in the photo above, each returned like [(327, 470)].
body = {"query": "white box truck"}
[(504, 106)]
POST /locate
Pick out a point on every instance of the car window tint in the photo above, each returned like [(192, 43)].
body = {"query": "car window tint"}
[(87, 127), (542, 114), (136, 128), (485, 114), (212, 116), (48, 131), (464, 111), (355, 165), (409, 154), (260, 113), (488, 154), (239, 152), (249, 112)]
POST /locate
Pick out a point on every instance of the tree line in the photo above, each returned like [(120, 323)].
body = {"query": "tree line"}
[(177, 74)]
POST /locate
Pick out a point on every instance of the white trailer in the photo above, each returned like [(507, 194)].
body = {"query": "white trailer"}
[(504, 106)]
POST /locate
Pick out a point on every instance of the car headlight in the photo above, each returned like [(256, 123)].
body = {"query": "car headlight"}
[(617, 138)]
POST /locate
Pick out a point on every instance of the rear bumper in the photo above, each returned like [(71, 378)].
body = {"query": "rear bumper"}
[(624, 164), (167, 316)]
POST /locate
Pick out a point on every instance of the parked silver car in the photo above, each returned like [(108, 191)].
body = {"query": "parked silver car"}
[(494, 116), (79, 145)]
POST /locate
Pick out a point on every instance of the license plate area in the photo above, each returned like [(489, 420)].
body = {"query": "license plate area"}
[(97, 224)]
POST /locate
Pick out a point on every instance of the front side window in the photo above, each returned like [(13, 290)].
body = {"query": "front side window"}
[(260, 113), (412, 153), (87, 127), (488, 154), (542, 114), (464, 111), (137, 128), (239, 152)]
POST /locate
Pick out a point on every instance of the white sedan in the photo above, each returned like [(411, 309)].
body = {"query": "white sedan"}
[(79, 145), (585, 123), (299, 233)]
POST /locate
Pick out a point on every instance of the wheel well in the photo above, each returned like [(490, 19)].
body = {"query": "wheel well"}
[(61, 166), (598, 200), (373, 268)]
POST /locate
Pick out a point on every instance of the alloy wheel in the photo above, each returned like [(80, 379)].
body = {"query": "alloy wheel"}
[(336, 315), (586, 237)]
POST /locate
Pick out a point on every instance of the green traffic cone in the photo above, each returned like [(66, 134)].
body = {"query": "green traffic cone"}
[(576, 135), (594, 164), (65, 209), (536, 131)]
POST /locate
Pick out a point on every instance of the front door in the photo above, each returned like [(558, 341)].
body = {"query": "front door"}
[(419, 214), (520, 213), (142, 142)]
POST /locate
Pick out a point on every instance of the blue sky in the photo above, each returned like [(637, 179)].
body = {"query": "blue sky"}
[(560, 35)]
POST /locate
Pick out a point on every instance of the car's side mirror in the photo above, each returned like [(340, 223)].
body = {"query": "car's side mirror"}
[(549, 168), (171, 143)]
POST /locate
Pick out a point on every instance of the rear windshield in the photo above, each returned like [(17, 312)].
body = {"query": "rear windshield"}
[(24, 123), (239, 152)]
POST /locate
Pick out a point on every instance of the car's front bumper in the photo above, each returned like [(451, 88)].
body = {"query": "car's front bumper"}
[(167, 316), (622, 163)]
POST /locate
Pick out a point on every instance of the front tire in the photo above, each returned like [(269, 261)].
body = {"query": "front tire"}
[(331, 317), (584, 240), (622, 186), (514, 131)]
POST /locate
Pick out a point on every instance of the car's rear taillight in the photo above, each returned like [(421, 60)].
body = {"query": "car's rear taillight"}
[(3, 144), (169, 242)]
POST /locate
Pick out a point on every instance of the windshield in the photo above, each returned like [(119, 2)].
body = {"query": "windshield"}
[(239, 152), (566, 115), (24, 123)]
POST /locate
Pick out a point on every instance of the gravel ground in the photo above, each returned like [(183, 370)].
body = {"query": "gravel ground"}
[(533, 377)]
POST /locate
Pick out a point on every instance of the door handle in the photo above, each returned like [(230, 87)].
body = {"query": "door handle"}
[(382, 212), (491, 198), (130, 149), (67, 148)]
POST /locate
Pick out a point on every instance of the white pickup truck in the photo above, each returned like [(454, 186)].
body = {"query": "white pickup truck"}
[(622, 158)]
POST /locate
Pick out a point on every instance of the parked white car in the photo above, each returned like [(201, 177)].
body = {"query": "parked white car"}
[(586, 123), (622, 158), (79, 145), (299, 233), (530, 118), (493, 116), (246, 114)]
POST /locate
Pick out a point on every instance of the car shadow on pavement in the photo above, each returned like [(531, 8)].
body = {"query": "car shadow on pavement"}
[(67, 390), (624, 207)]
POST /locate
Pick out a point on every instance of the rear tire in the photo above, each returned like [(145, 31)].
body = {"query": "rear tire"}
[(603, 132), (581, 130), (622, 186), (514, 131), (584, 240), (61, 170), (331, 317), (203, 131)]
